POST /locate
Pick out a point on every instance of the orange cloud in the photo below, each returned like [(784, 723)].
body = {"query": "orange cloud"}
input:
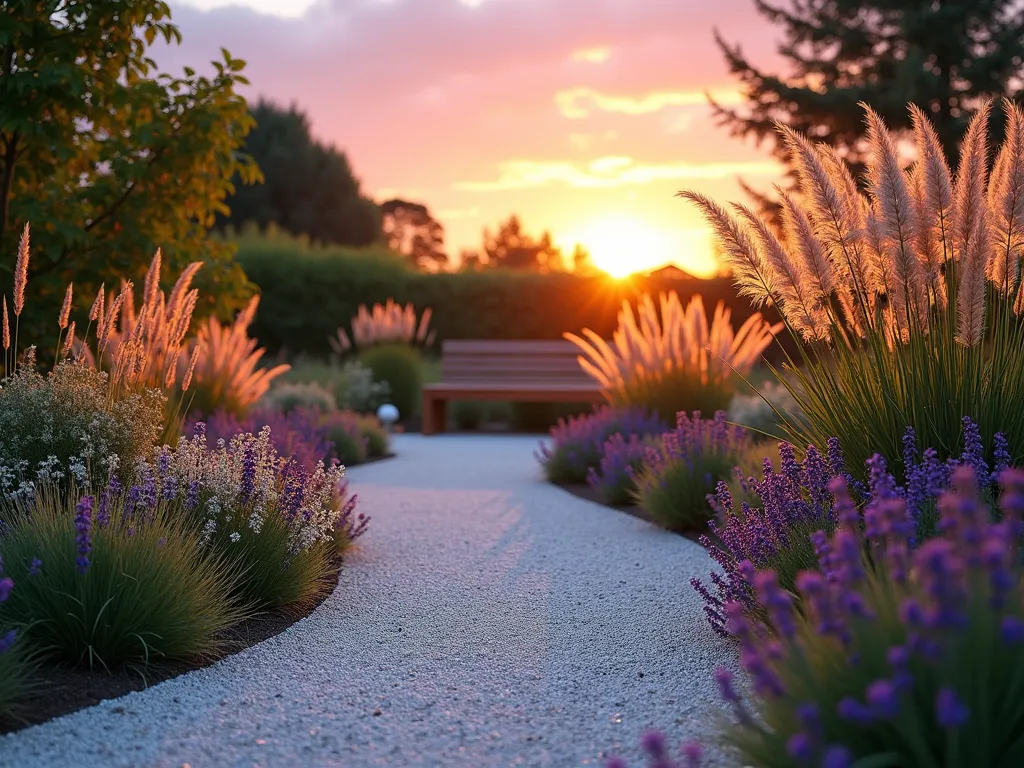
[(610, 171), (577, 103)]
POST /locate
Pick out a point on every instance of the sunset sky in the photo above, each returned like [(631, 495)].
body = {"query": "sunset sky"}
[(582, 116)]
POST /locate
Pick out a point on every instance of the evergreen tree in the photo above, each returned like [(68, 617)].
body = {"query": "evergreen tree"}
[(946, 56), (309, 187)]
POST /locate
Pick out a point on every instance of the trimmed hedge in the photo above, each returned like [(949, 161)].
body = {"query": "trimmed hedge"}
[(308, 292)]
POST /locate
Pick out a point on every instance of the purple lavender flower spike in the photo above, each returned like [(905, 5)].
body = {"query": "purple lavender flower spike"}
[(974, 451), (83, 539), (7, 640), (692, 752), (6, 586), (35, 566), (837, 756), (950, 711)]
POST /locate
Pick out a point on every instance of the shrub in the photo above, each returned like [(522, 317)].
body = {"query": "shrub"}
[(577, 443), (797, 501), (15, 670), (684, 467), (620, 460), (675, 363), (355, 389), (226, 376), (350, 383), (376, 437), (902, 656), (303, 291), (908, 299), (72, 413), (401, 367), (297, 435), (272, 517), (306, 396), (765, 412), (118, 579), (344, 432), (387, 324)]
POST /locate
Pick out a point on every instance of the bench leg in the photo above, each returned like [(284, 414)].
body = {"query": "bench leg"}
[(435, 414)]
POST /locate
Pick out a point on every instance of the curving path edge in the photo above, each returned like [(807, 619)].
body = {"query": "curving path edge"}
[(487, 619)]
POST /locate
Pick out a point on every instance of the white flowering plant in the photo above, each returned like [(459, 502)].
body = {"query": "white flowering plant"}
[(264, 511)]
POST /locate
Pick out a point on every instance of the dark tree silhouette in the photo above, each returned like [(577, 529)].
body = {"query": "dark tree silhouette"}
[(309, 187), (413, 232), (946, 56), (512, 248)]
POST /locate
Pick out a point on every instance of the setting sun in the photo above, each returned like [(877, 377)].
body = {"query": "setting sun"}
[(622, 245)]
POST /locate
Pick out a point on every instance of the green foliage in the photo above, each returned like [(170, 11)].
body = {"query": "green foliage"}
[(16, 670), (305, 291), (674, 391), (347, 437), (675, 494), (151, 591), (351, 383), (109, 160), (310, 397), (275, 577), (376, 437), (309, 188), (71, 412), (765, 411), (401, 366)]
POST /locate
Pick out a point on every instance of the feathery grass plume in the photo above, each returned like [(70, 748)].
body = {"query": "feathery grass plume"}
[(151, 287), (836, 217), (935, 344), (388, 323), (21, 271), (69, 341), (1006, 202), (792, 286), (972, 237), (96, 311), (754, 276), (197, 352), (65, 309), (227, 376), (673, 360), (816, 271), (895, 212), (6, 327)]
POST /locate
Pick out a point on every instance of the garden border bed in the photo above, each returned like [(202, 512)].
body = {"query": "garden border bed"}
[(62, 690)]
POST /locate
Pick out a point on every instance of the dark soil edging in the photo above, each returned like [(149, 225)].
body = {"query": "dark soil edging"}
[(584, 491), (61, 690)]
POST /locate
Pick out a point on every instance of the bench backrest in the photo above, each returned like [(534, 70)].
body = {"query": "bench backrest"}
[(513, 362)]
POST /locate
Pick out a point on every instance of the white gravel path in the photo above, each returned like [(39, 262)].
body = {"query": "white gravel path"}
[(488, 619)]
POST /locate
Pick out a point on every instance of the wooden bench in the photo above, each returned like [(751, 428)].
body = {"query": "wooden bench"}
[(516, 371)]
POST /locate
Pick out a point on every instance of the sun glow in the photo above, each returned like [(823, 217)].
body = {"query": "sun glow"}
[(622, 245)]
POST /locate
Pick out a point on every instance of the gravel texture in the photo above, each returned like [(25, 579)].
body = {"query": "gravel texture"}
[(487, 619)]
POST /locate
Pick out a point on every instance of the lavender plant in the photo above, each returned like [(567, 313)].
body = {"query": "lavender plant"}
[(350, 524), (119, 577), (673, 484), (901, 655), (15, 668), (577, 444), (798, 500), (620, 460), (297, 434), (272, 516)]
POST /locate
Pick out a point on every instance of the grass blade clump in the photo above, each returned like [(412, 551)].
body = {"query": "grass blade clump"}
[(117, 578), (673, 360), (907, 298)]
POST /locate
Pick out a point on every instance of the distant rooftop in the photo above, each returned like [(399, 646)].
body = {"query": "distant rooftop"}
[(670, 272)]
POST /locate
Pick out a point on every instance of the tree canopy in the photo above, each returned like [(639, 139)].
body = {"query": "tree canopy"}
[(309, 187), (413, 232), (109, 159), (946, 57), (511, 247)]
